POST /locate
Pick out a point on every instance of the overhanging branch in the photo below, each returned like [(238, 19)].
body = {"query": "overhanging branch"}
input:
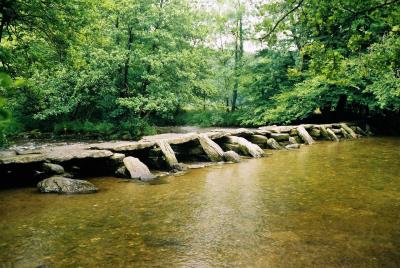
[(282, 19)]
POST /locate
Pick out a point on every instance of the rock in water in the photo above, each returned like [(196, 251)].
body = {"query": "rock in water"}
[(315, 132), (332, 135), (351, 132), (212, 149), (231, 156), (273, 144), (292, 140), (122, 172), (169, 154), (324, 133), (361, 131), (246, 147), (179, 167), (137, 170), (259, 139), (52, 169), (58, 184), (292, 146), (346, 134), (280, 136), (304, 135)]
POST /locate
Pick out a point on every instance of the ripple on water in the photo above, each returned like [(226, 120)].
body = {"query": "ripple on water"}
[(325, 205)]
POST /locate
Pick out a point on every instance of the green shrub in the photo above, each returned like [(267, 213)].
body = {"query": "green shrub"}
[(130, 129), (207, 118)]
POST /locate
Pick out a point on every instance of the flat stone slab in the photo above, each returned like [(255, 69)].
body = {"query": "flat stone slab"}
[(123, 146), (171, 138)]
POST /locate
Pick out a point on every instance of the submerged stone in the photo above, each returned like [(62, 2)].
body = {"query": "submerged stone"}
[(122, 172), (231, 156), (62, 185), (179, 167), (292, 146), (148, 177)]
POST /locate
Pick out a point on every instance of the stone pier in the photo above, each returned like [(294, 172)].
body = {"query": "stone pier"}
[(160, 151)]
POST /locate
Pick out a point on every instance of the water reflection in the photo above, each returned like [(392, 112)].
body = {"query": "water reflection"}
[(326, 205)]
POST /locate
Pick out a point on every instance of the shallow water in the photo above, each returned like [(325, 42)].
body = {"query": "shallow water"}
[(325, 205)]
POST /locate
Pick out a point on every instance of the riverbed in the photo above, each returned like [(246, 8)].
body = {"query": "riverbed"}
[(326, 205)]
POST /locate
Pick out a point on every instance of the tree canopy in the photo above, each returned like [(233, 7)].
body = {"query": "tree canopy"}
[(117, 67)]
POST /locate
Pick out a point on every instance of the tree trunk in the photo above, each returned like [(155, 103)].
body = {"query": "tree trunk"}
[(238, 58), (127, 61), (341, 105), (3, 22)]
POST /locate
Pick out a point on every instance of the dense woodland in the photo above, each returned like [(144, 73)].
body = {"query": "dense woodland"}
[(117, 68)]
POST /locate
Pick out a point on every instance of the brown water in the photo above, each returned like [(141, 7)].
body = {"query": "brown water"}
[(325, 205)]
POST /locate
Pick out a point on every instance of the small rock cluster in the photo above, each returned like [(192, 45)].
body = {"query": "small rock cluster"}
[(62, 182)]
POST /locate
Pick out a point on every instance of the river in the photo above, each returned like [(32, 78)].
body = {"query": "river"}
[(326, 205)]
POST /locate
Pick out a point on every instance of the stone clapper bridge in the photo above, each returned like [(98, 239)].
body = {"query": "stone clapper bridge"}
[(55, 166)]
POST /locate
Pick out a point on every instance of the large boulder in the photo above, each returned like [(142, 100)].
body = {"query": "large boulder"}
[(62, 185), (53, 169), (231, 156), (137, 170)]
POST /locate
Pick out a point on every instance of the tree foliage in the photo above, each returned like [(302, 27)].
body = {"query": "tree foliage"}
[(117, 67)]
